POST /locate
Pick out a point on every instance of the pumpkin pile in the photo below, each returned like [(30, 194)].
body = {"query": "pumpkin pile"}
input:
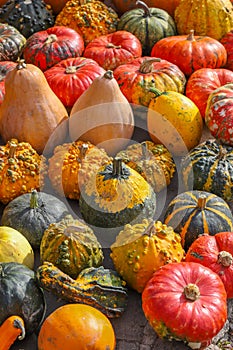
[(104, 111)]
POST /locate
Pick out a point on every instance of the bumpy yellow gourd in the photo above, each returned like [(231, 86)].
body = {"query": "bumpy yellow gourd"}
[(141, 249), (175, 121)]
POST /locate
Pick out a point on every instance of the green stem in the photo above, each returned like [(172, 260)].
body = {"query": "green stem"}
[(146, 9), (34, 199)]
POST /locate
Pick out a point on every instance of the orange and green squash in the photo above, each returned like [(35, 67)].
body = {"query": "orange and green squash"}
[(11, 329)]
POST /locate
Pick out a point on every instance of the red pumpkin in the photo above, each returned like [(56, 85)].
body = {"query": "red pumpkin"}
[(46, 48), (227, 42), (219, 114), (204, 81), (71, 77), (185, 301), (215, 252), (114, 49), (137, 77), (191, 52)]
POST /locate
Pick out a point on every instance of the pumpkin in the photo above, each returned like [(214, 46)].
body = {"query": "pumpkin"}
[(140, 249), (90, 18), (203, 82), (71, 77), (116, 195), (27, 16), (214, 19), (215, 252), (191, 52), (218, 114), (64, 328), (102, 115), (185, 301), (11, 329), (192, 213), (114, 49), (208, 167), (5, 67), (137, 77), (47, 47), (71, 166), (20, 295), (153, 161), (148, 24), (36, 119), (15, 247), (226, 41), (32, 213), (126, 5), (21, 170), (70, 245), (96, 286), (12, 42), (175, 121)]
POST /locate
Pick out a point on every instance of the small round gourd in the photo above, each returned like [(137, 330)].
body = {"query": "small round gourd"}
[(32, 213), (194, 212), (71, 245), (140, 249)]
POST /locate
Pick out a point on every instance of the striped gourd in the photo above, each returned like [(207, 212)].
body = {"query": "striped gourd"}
[(209, 167), (193, 213)]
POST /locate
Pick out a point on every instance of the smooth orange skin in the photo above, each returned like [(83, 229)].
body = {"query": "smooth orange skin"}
[(76, 326)]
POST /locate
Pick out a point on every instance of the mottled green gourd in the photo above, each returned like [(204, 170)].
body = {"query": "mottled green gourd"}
[(96, 286), (71, 245), (115, 196), (140, 249)]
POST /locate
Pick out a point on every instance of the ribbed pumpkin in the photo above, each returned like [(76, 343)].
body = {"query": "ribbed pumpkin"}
[(140, 249), (32, 213), (89, 18), (194, 212), (27, 16), (212, 18), (227, 42), (70, 245), (215, 252), (116, 195), (191, 52), (137, 77), (21, 170), (153, 161), (71, 166), (148, 24), (12, 42), (209, 167)]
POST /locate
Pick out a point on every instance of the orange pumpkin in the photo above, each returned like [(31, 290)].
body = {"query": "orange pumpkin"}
[(76, 326)]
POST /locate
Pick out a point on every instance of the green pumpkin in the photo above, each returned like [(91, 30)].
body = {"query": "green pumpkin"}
[(209, 167), (20, 295), (116, 195), (148, 24), (32, 213)]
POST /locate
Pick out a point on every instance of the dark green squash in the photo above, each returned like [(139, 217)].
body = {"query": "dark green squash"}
[(21, 295), (116, 195), (209, 167), (32, 213), (193, 213), (71, 245), (148, 24), (28, 16), (12, 42), (99, 287)]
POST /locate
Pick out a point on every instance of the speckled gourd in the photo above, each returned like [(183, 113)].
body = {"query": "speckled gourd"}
[(140, 249)]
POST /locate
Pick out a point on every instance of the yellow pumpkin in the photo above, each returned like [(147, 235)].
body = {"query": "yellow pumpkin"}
[(14, 247), (175, 121)]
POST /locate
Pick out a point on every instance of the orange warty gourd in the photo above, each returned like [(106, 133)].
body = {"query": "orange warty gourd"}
[(76, 326)]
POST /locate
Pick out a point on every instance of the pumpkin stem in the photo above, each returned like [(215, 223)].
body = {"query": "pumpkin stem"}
[(145, 152), (191, 291), (21, 64), (108, 74), (156, 91), (150, 229), (83, 150), (50, 39), (190, 37), (147, 12), (201, 203), (117, 167), (12, 149), (225, 258), (112, 46), (73, 69), (34, 199), (222, 152), (18, 324), (147, 65)]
